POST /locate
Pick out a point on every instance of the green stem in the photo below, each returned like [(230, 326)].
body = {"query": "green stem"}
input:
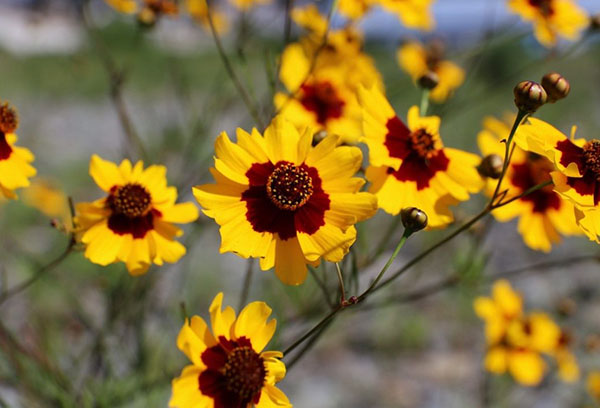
[(424, 102), (316, 328), (341, 282)]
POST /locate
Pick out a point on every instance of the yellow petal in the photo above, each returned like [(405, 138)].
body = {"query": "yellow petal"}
[(252, 323)]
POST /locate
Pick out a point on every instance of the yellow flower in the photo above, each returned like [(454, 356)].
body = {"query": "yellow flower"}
[(568, 369), (46, 197), (409, 166), (322, 81), (123, 6), (134, 222), (593, 384), (355, 9), (248, 4), (499, 311), (577, 174), (543, 214), (199, 11), (229, 367), (552, 18), (280, 199), (412, 13), (15, 167), (418, 60)]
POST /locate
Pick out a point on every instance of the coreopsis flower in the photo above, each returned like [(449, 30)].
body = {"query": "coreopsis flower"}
[(284, 201), (152, 10), (229, 367), (15, 161), (412, 13), (355, 9), (552, 19), (409, 166), (134, 222), (592, 384), (568, 369), (419, 60), (577, 174), (515, 340), (543, 214), (44, 195), (199, 11), (245, 5), (322, 81), (123, 6)]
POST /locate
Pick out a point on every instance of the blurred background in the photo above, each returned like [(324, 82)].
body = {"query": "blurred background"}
[(95, 337)]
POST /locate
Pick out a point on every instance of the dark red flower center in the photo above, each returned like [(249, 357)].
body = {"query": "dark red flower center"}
[(289, 187), (322, 99), (131, 211), (421, 159), (545, 6), (285, 199), (9, 121), (5, 149), (131, 200), (587, 161), (591, 157), (234, 375), (536, 170)]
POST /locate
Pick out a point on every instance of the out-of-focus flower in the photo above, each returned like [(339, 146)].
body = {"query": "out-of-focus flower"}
[(48, 198), (516, 341), (322, 80), (123, 6), (229, 367), (134, 223), (279, 199), (355, 9), (543, 214), (409, 166), (15, 167), (152, 10), (552, 18), (248, 4), (577, 175), (418, 60), (199, 11), (593, 384), (413, 13)]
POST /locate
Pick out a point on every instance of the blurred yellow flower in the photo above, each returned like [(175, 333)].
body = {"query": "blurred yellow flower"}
[(418, 60), (517, 341), (248, 4), (46, 197), (282, 200), (15, 167), (552, 18), (355, 9), (134, 222), (322, 81), (199, 11), (409, 166), (543, 214), (229, 367), (577, 169), (123, 6), (593, 384), (412, 13)]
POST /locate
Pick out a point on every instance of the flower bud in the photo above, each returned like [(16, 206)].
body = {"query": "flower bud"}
[(529, 96), (429, 81), (413, 219), (491, 166), (556, 86), (9, 121), (595, 22)]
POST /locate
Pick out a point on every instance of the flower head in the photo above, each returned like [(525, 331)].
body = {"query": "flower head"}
[(543, 214), (355, 9), (552, 18), (133, 223), (15, 167), (419, 61), (409, 166), (280, 199), (412, 13), (229, 367), (123, 6)]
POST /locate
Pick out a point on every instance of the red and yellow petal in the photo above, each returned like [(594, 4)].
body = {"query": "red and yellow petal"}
[(253, 324), (185, 390)]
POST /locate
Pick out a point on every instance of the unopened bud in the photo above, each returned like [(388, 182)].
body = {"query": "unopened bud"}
[(320, 135), (595, 22), (529, 96), (429, 81), (556, 86), (413, 219), (491, 166)]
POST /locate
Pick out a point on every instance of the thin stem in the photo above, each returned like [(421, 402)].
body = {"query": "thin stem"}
[(231, 72), (316, 328), (386, 238), (309, 345), (424, 102), (341, 282), (407, 233), (247, 281), (321, 285)]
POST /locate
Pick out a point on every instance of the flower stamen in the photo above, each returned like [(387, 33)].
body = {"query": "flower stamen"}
[(131, 200), (422, 143), (289, 187), (244, 372), (9, 121), (591, 156)]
